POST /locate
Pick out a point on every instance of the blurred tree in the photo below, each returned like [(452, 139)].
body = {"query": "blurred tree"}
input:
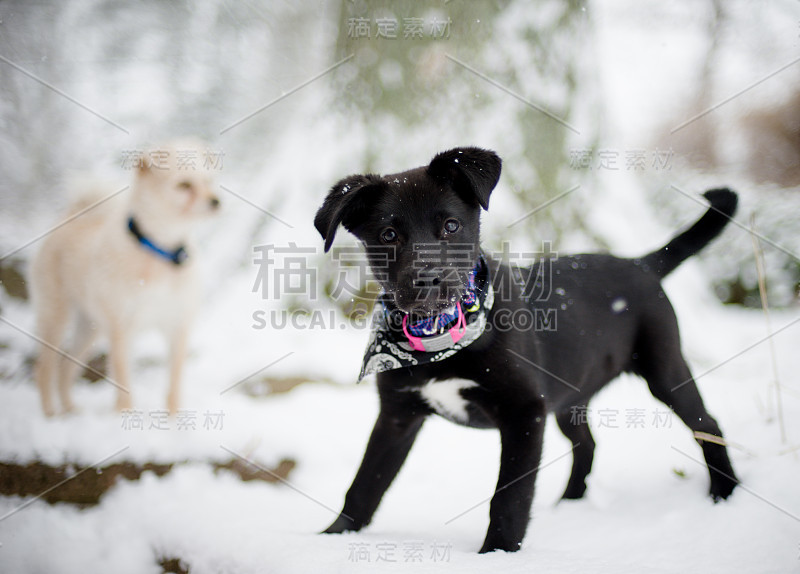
[(505, 75)]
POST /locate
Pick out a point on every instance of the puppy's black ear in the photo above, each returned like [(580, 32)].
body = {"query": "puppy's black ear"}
[(471, 171), (347, 203)]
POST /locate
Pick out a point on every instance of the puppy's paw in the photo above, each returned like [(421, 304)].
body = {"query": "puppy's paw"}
[(574, 491), (722, 487), (501, 539), (341, 525), (495, 545)]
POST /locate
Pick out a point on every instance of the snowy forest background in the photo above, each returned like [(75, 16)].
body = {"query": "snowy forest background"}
[(610, 118)]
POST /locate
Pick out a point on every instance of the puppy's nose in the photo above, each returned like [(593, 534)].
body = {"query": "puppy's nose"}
[(427, 278), (213, 203)]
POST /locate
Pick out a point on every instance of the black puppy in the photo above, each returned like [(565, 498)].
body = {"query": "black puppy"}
[(448, 335)]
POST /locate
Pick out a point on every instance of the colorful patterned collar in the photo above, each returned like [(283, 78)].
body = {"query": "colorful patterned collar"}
[(396, 342)]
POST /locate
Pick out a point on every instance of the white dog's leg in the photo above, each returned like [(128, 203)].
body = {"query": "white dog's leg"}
[(51, 329), (178, 346), (84, 337), (118, 361)]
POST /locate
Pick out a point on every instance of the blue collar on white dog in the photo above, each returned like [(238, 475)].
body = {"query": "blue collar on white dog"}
[(177, 257)]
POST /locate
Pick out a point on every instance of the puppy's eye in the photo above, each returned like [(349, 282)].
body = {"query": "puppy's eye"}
[(389, 235), (451, 226), (185, 185)]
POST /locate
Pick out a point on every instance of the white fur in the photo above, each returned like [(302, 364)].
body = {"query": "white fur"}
[(91, 277), (446, 399)]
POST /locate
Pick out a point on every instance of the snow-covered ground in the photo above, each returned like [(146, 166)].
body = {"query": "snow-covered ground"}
[(646, 508)]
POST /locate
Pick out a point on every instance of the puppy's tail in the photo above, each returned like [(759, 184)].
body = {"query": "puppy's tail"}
[(723, 206)]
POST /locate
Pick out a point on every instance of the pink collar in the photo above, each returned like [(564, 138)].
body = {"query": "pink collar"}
[(440, 342)]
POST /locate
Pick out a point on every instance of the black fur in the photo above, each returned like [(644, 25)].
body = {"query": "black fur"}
[(612, 317), (723, 206)]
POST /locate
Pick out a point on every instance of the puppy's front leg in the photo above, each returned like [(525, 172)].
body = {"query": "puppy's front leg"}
[(521, 434), (388, 447)]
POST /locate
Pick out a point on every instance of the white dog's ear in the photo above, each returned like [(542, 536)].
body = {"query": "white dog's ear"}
[(143, 162), (348, 203), (471, 171)]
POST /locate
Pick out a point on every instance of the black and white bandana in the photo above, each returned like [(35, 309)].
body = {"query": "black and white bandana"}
[(395, 348)]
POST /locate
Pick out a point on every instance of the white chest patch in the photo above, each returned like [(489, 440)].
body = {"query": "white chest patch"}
[(446, 399)]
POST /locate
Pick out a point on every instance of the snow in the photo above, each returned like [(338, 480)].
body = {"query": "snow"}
[(646, 509), (639, 516)]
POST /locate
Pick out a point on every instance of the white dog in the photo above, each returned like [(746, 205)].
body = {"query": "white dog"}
[(122, 265)]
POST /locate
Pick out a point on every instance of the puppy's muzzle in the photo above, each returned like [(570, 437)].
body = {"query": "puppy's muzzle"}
[(429, 290), (428, 279)]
